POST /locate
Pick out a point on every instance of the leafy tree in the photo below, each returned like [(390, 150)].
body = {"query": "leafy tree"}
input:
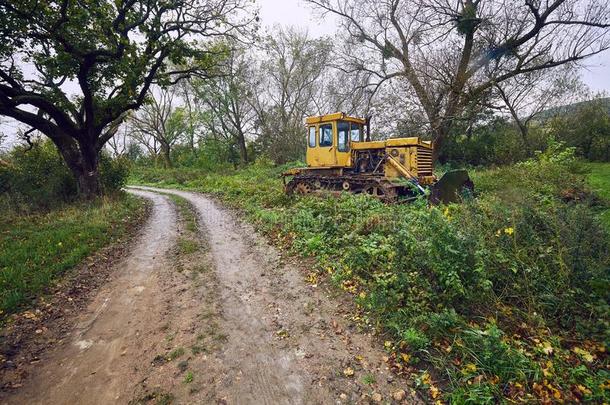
[(226, 101), (69, 69), (159, 121), (587, 128), (451, 54)]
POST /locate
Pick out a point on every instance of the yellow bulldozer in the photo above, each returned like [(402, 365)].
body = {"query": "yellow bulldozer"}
[(342, 158)]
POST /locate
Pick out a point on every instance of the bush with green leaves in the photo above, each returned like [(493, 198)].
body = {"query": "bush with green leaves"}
[(36, 177), (586, 128), (496, 141), (485, 293), (113, 173)]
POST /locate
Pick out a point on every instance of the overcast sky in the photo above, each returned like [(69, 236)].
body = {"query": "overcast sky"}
[(298, 13)]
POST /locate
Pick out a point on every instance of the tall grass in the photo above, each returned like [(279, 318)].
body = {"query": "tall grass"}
[(599, 178), (504, 297), (37, 248)]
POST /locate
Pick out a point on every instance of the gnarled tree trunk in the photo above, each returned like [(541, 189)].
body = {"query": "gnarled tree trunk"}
[(82, 159)]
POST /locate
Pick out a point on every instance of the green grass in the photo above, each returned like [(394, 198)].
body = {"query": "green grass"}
[(368, 379), (189, 377), (174, 354), (186, 211), (36, 249), (599, 179), (503, 298), (187, 246)]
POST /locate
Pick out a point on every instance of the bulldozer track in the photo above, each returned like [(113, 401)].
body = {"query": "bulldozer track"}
[(374, 185)]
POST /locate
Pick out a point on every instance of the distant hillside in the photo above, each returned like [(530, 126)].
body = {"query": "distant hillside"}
[(570, 108)]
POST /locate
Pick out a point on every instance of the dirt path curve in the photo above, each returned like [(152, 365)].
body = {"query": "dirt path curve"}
[(286, 340), (209, 313), (105, 348)]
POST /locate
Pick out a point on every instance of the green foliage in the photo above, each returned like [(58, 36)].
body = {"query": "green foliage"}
[(492, 355), (113, 173), (497, 141), (114, 51), (119, 59), (35, 249), (414, 340), (210, 155), (177, 352), (38, 178), (469, 288), (35, 178), (599, 178), (189, 377), (587, 129)]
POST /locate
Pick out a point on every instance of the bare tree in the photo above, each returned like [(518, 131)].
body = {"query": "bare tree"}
[(3, 136), (190, 106), (289, 80), (452, 53), (159, 124), (226, 99), (342, 91), (150, 144), (119, 143)]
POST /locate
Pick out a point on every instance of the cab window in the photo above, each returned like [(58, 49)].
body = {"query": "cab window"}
[(356, 132), (312, 137), (343, 141), (326, 135)]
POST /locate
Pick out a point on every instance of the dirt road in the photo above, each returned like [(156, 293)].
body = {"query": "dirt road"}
[(210, 315)]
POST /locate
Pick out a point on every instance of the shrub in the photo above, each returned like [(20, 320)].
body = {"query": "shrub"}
[(38, 178), (113, 173), (480, 284), (415, 340), (586, 127)]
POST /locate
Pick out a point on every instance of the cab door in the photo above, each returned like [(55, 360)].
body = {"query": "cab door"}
[(327, 145), (343, 144)]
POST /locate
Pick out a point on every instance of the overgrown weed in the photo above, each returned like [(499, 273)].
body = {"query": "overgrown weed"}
[(504, 297)]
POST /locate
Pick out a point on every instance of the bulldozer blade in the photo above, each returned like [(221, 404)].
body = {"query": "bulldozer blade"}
[(451, 188)]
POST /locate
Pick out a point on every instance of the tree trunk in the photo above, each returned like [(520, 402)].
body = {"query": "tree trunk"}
[(88, 182), (439, 134), (523, 129), (165, 150), (83, 161), (241, 144)]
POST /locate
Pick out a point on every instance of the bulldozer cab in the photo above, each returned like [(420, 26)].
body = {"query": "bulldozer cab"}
[(330, 139)]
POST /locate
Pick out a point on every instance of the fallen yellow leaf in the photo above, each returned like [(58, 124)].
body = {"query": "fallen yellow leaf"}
[(469, 368), (585, 355), (434, 392), (426, 378), (547, 348), (348, 372)]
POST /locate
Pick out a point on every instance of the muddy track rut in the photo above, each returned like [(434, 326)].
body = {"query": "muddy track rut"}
[(228, 322)]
